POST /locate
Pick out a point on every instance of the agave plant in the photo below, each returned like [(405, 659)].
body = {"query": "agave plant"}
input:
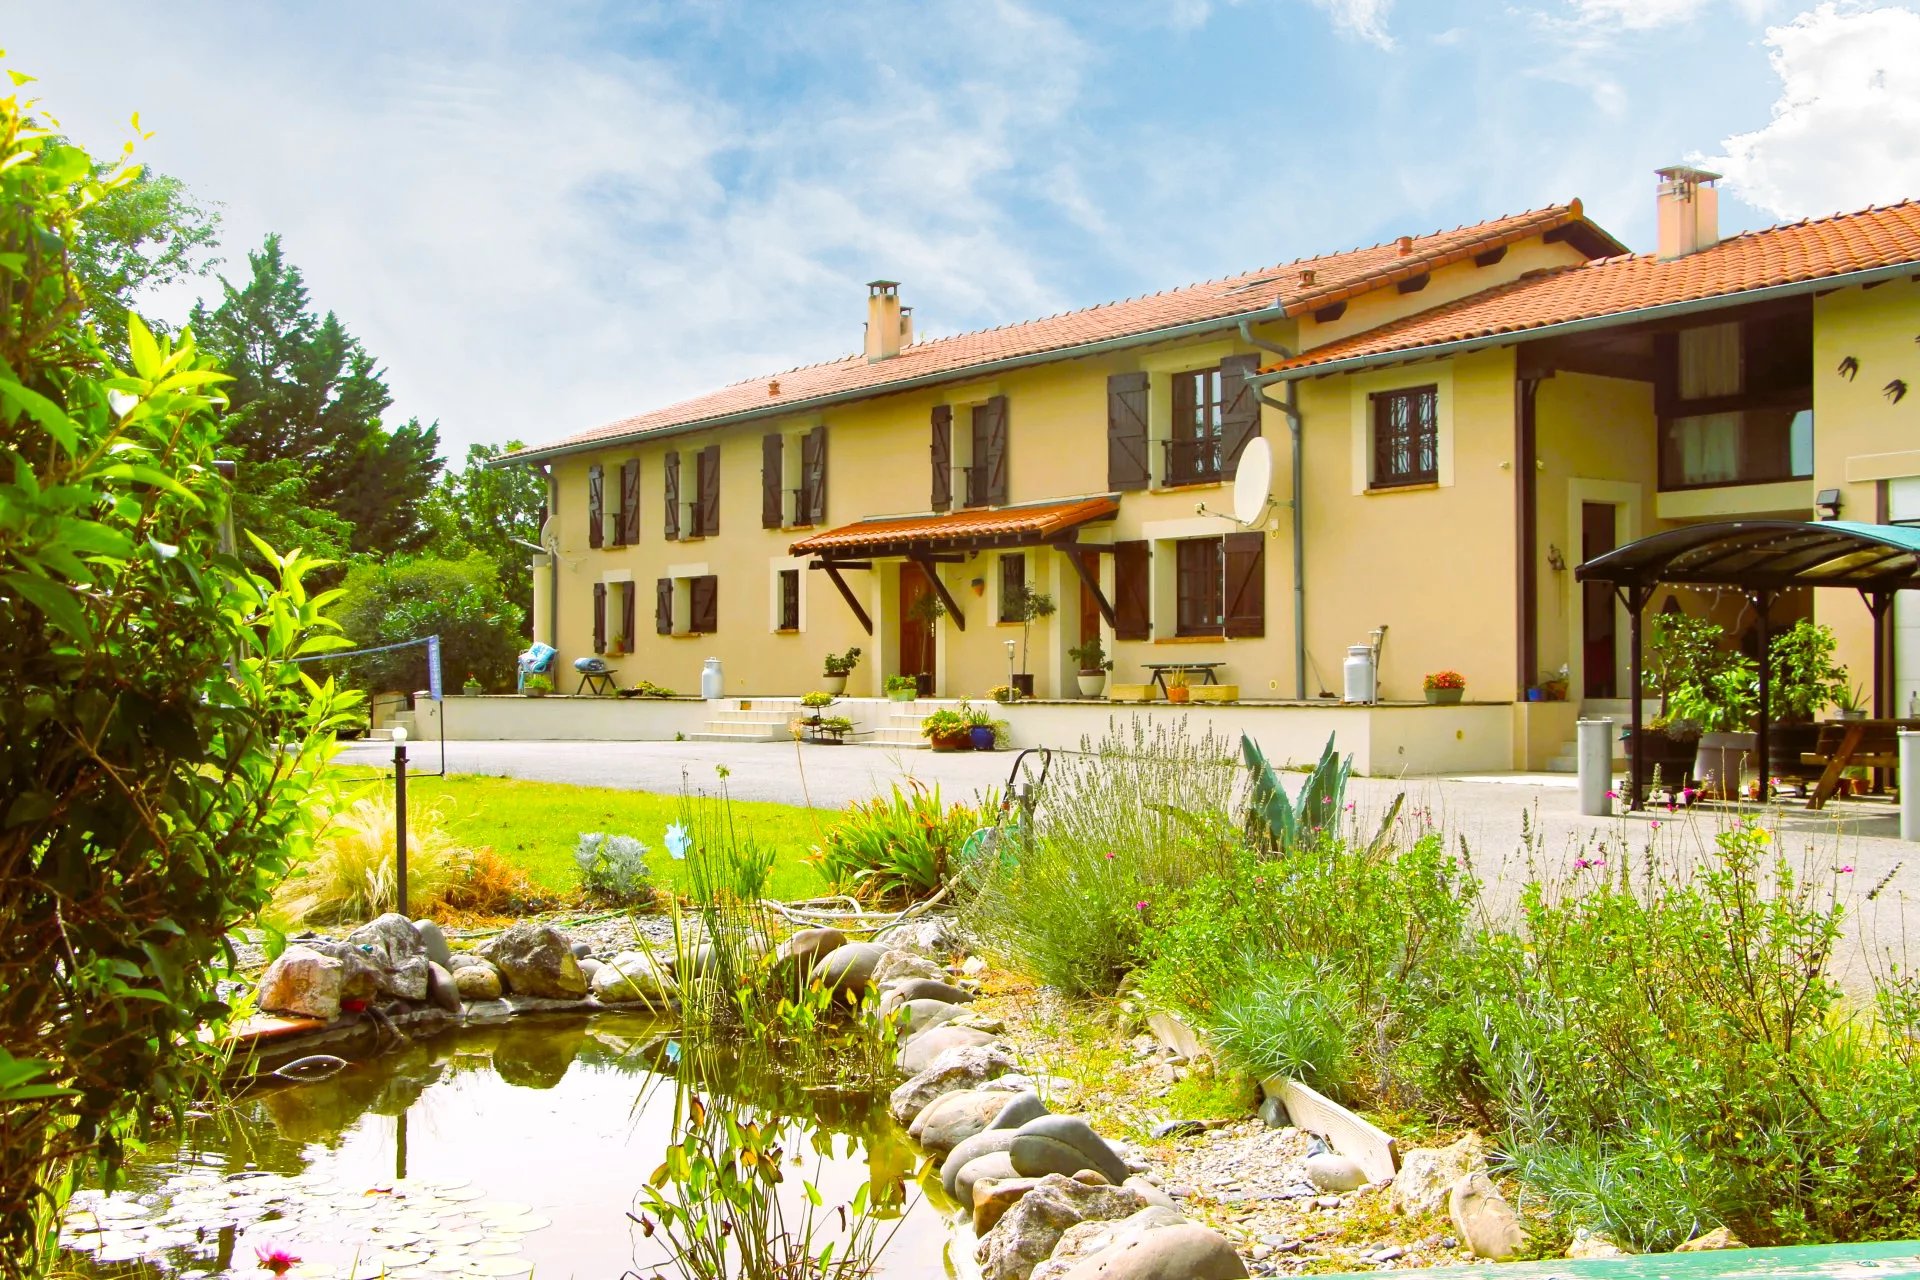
[(1275, 821)]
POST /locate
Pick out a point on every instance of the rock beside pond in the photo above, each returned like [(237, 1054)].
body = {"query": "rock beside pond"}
[(1025, 1106), (1026, 1235), (907, 989), (992, 1197), (305, 980), (901, 966), (1173, 1251), (1331, 1172), (441, 988), (536, 960), (393, 946), (1484, 1219), (929, 936), (1718, 1238), (1427, 1174), (990, 1142), (963, 1068), (919, 1016), (1064, 1145), (1592, 1244), (477, 980), (849, 967), (588, 967), (947, 1122), (434, 940), (920, 1051), (631, 978), (808, 947), (1084, 1239)]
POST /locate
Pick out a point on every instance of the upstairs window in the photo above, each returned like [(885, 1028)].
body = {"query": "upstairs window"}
[(1736, 402), (1193, 449), (1406, 437)]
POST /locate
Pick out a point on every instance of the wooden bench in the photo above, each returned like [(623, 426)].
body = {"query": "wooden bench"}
[(1872, 744)]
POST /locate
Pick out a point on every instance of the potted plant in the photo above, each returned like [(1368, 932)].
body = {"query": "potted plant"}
[(1025, 608), (1004, 694), (833, 730), (948, 729), (537, 686), (836, 668), (902, 688), (1723, 706), (1681, 649), (1851, 704), (1805, 679), (471, 686), (1177, 690), (1094, 665), (1445, 688), (980, 728)]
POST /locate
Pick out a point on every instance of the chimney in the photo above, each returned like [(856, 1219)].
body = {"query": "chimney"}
[(906, 326), (885, 325), (1689, 208)]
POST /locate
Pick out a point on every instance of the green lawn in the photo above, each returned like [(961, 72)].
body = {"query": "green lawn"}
[(534, 825)]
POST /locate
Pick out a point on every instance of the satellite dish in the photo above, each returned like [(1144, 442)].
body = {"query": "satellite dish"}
[(1253, 482)]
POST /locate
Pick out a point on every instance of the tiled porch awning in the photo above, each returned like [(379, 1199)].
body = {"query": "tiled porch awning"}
[(958, 530)]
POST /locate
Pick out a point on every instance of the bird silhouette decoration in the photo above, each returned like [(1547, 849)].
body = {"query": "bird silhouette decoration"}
[(1895, 391), (1849, 366)]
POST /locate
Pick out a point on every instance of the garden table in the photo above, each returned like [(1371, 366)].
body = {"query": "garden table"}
[(1205, 670), (600, 682), (1843, 743)]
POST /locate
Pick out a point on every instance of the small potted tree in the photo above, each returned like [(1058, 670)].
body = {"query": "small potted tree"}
[(1805, 679), (836, 669), (1681, 650), (1094, 665), (1026, 608), (1723, 705)]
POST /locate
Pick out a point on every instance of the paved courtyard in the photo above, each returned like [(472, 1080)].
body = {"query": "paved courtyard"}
[(1504, 820)]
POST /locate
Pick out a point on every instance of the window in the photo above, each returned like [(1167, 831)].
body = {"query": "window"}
[(703, 605), (1406, 437), (1736, 403), (706, 502), (1193, 451), (789, 616), (686, 606), (1199, 570), (1013, 585)]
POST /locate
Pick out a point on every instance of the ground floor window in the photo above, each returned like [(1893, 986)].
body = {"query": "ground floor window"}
[(1406, 437), (686, 606), (789, 619), (1220, 586), (1198, 586), (1013, 586)]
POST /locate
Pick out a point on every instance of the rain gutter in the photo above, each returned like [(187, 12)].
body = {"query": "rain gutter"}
[(1291, 408), (783, 409), (1616, 319)]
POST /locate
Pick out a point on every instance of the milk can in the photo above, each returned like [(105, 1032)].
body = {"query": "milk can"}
[(711, 680), (1358, 669)]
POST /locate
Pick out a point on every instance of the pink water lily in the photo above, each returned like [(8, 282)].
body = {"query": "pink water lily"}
[(276, 1258)]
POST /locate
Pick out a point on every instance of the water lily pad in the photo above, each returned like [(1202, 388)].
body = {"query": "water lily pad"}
[(447, 1261), (522, 1224), (457, 1236), (499, 1266), (495, 1248), (504, 1209), (463, 1193)]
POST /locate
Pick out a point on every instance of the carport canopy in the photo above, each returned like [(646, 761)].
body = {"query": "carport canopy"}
[(1760, 558)]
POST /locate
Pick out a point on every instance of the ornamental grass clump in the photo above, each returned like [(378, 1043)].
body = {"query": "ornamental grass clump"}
[(900, 847), (352, 875)]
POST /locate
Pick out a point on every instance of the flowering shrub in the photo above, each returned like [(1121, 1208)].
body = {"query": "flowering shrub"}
[(1445, 680)]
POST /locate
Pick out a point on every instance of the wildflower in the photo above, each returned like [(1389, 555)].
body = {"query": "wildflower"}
[(275, 1258), (678, 841), (1613, 795), (1109, 855), (1140, 906), (1654, 825), (1847, 870)]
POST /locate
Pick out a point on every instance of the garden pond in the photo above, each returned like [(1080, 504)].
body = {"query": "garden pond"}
[(508, 1150)]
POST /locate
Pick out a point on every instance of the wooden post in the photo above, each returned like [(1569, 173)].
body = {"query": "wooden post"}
[(1763, 605), (1635, 598)]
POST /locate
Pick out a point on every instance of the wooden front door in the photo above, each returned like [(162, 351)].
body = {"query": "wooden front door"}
[(1089, 606), (916, 634), (1599, 655)]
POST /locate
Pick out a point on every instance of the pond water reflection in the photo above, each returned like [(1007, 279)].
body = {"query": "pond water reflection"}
[(482, 1151)]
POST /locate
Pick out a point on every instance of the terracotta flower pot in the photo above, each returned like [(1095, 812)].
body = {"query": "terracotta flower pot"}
[(1179, 693)]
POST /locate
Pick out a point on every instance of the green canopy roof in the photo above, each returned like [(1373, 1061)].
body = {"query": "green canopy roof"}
[(1770, 554)]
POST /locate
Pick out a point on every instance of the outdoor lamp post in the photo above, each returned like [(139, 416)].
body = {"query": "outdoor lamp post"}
[(1009, 664), (400, 815)]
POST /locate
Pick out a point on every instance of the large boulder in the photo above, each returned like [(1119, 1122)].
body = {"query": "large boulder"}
[(919, 1016), (537, 960), (920, 1051), (1484, 1219), (992, 1197), (900, 966), (1025, 1236), (632, 978), (307, 981), (927, 989), (849, 967), (434, 940), (1718, 1238), (1594, 1244), (992, 1142), (962, 1068), (1173, 1251), (1064, 1145), (442, 989), (929, 936), (948, 1121), (991, 1167), (1084, 1239), (1427, 1174), (806, 948), (1026, 1105), (394, 946), (477, 980)]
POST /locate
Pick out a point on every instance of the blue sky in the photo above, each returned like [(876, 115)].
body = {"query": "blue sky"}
[(541, 216)]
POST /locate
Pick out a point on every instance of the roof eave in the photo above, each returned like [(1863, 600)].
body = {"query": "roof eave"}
[(1276, 311), (1613, 319)]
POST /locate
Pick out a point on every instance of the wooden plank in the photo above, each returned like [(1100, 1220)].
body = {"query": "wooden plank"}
[(1175, 1035), (1092, 582), (1881, 1260), (1369, 1146), (846, 593), (1327, 315), (940, 589)]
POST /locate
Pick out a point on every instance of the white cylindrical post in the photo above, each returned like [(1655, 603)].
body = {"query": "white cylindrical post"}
[(1910, 784), (1594, 751)]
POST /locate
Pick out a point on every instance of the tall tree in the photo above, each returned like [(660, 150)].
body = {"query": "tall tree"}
[(494, 511), (305, 389), (146, 232)]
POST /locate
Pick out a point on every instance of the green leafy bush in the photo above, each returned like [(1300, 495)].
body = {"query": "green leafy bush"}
[(613, 869), (389, 601), (156, 744), (1288, 1019), (899, 847)]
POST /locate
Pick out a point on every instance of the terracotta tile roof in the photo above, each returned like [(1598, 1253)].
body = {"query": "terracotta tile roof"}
[(1797, 252), (1289, 289), (1036, 522)]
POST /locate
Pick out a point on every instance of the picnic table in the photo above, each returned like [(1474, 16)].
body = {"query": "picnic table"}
[(1871, 744), (1205, 670)]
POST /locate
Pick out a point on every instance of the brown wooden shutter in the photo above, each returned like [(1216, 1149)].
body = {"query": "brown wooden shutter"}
[(630, 503), (596, 506), (703, 604), (663, 606), (599, 617), (1132, 620), (672, 473), (1246, 584), (1239, 409), (628, 609), (708, 523), (1127, 461), (942, 457), (996, 451), (813, 473), (772, 506)]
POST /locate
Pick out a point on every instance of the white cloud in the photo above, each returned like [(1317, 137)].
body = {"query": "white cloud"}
[(1366, 19), (1846, 128), (1639, 15)]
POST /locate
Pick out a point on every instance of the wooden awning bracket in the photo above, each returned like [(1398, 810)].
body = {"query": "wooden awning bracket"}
[(926, 563), (846, 592), (1072, 551)]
